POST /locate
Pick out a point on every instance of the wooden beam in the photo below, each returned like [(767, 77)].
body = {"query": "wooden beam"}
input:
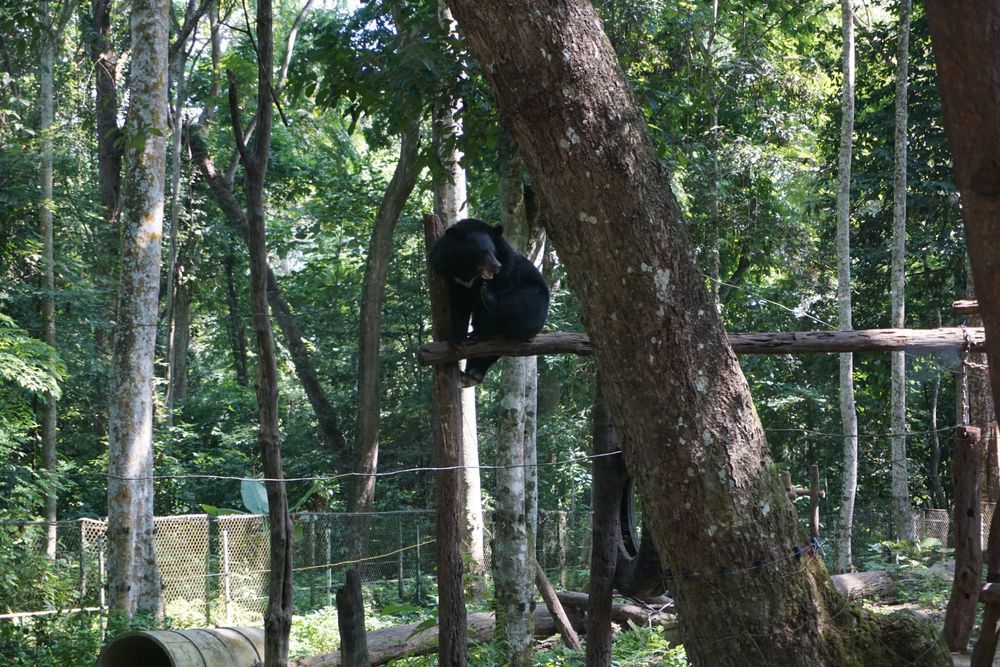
[(948, 339)]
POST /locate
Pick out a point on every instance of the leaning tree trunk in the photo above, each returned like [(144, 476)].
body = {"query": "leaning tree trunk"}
[(712, 495), (329, 426), (848, 413), (965, 38), (133, 576), (373, 293), (902, 510)]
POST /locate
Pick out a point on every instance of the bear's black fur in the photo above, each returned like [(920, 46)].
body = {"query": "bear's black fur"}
[(502, 291)]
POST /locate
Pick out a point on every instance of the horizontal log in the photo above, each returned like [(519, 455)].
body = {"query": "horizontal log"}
[(873, 582), (965, 307), (948, 339)]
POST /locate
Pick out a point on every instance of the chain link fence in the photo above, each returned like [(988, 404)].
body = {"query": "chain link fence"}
[(214, 569)]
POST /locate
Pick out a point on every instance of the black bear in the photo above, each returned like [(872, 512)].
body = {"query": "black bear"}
[(501, 290)]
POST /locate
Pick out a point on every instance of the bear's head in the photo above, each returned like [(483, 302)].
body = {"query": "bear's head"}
[(469, 250)]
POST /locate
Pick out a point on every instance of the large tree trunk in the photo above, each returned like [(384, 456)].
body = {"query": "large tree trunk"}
[(513, 562), (965, 39), (108, 134), (902, 510), (373, 292), (446, 398), (712, 496), (981, 411), (110, 151), (46, 111), (133, 576), (848, 413)]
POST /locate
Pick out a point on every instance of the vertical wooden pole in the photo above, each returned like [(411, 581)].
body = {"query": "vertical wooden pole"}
[(608, 481), (452, 647), (311, 518), (329, 569), (986, 646), (814, 495), (351, 621), (961, 612), (399, 530)]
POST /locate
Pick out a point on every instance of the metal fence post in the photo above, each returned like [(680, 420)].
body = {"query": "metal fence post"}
[(226, 580), (399, 526), (329, 567), (83, 565), (419, 589)]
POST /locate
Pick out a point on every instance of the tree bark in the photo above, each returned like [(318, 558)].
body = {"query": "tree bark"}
[(109, 147), (848, 411), (964, 41), (451, 204), (452, 647), (234, 326), (351, 621), (512, 575), (609, 478), (960, 616), (278, 614), (516, 512), (133, 576), (693, 442), (372, 294), (46, 112), (902, 510)]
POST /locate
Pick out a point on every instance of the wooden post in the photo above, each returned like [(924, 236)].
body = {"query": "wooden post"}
[(608, 481), (961, 612), (351, 621), (447, 401), (814, 495)]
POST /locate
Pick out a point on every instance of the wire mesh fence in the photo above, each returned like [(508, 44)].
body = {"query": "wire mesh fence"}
[(214, 569)]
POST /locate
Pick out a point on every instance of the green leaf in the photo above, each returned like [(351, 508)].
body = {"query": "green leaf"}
[(254, 496)]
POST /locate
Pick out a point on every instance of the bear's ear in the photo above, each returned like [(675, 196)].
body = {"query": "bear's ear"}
[(497, 230)]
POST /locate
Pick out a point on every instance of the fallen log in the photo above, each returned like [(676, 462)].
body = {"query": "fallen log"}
[(855, 584), (403, 641), (945, 339), (965, 307)]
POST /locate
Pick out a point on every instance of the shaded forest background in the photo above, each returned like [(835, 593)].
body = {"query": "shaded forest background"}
[(747, 123)]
